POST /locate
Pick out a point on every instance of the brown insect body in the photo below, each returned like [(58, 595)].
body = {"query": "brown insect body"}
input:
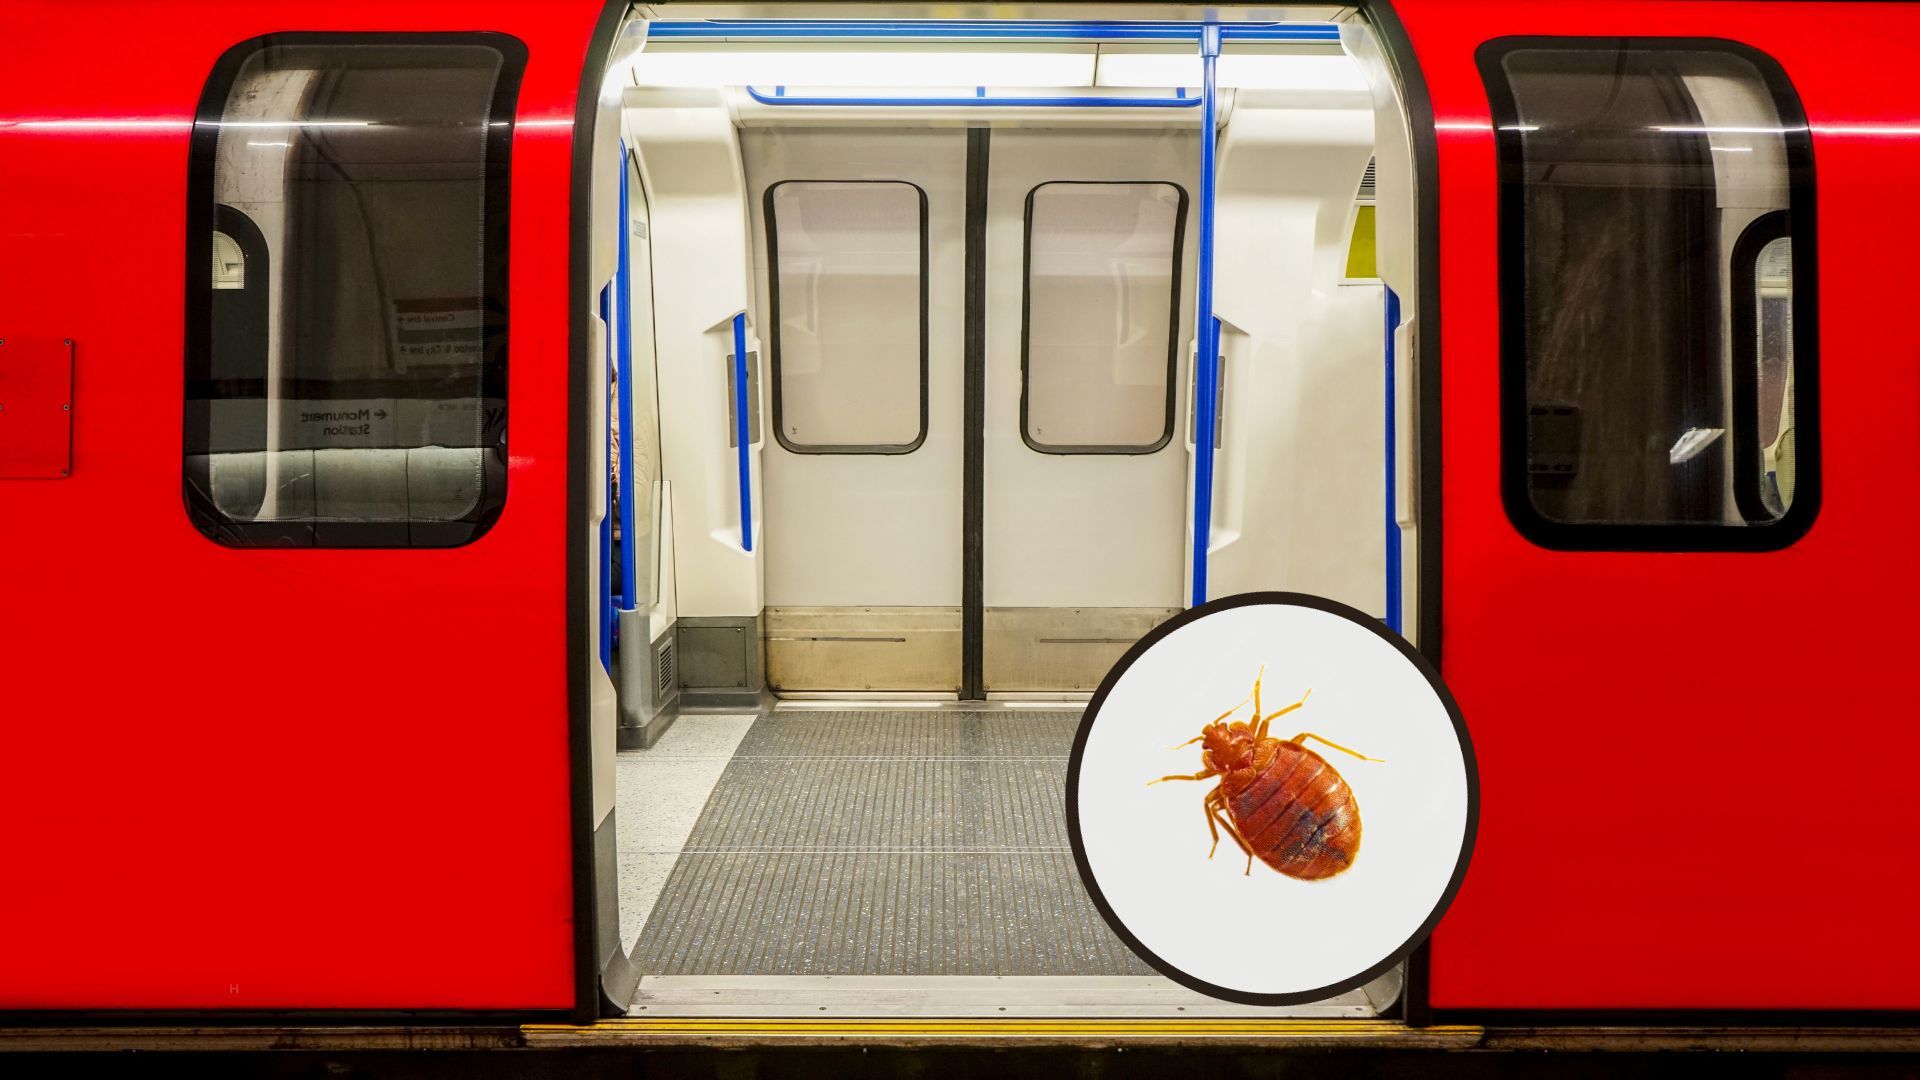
[(1278, 800), (1293, 810)]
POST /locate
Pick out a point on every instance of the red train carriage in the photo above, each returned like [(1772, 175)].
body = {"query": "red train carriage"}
[(383, 469), (340, 782)]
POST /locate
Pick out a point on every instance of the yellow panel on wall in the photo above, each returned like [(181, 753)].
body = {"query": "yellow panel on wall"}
[(1360, 256)]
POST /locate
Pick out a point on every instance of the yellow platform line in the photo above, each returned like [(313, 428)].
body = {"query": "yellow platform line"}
[(654, 1029)]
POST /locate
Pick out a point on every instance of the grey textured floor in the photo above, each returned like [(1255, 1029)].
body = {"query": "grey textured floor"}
[(885, 843)]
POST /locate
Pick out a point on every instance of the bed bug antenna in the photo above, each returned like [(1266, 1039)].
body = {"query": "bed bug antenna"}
[(1253, 697), (1261, 722)]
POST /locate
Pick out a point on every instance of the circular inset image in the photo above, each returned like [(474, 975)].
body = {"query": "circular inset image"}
[(1283, 856)]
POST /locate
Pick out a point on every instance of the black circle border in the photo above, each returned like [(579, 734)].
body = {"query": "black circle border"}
[(1287, 599)]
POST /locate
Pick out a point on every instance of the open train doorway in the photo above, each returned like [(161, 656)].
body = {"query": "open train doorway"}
[(977, 350)]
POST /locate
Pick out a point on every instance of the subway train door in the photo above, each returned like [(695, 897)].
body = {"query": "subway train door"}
[(1087, 329), (1671, 479), (859, 250)]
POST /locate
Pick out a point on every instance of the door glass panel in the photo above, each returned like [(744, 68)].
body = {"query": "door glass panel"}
[(849, 313), (1102, 309)]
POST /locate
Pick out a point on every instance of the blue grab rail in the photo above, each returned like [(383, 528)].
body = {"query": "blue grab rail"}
[(606, 520), (980, 30), (1393, 460), (779, 97), (1207, 377), (740, 429), (628, 597)]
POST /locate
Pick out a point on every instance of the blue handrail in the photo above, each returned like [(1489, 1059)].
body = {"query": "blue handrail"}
[(606, 519), (980, 30), (629, 595), (779, 97), (1393, 460), (740, 429), (1207, 377)]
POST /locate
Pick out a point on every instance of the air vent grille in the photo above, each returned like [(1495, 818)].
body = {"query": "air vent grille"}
[(1366, 184), (665, 677)]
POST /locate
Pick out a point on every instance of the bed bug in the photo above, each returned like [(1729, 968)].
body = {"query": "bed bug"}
[(1276, 798)]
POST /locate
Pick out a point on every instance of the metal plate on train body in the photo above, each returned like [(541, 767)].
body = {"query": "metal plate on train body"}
[(36, 408)]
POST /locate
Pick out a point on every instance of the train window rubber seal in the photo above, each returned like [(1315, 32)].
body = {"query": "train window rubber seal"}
[(494, 236), (773, 324), (1797, 145), (1173, 325)]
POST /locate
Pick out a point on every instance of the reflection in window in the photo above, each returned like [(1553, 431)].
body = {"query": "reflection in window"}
[(1630, 170), (1773, 353), (364, 403), (229, 263), (849, 267), (1102, 311)]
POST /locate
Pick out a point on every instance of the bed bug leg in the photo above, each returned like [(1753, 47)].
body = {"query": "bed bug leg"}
[(1196, 776), (1208, 807), (1217, 811), (1321, 738), (1261, 731), (1238, 839)]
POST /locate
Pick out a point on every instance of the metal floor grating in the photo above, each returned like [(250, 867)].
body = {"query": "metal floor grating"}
[(912, 734), (868, 842)]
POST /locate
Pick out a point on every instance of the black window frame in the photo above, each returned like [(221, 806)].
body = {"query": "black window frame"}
[(1173, 326), (1771, 535), (772, 223), (202, 221)]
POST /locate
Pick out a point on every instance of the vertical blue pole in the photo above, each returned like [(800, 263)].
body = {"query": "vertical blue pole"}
[(1393, 461), (623, 352), (740, 428), (1207, 379), (606, 520)]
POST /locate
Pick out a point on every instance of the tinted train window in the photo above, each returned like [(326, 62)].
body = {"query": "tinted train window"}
[(1644, 405), (849, 267), (1101, 316), (346, 357)]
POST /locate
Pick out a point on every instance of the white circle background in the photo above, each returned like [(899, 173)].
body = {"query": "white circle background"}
[(1147, 846)]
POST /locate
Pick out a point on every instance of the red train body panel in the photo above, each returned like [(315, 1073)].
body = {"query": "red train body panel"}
[(207, 805), (1694, 766), (1650, 725)]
